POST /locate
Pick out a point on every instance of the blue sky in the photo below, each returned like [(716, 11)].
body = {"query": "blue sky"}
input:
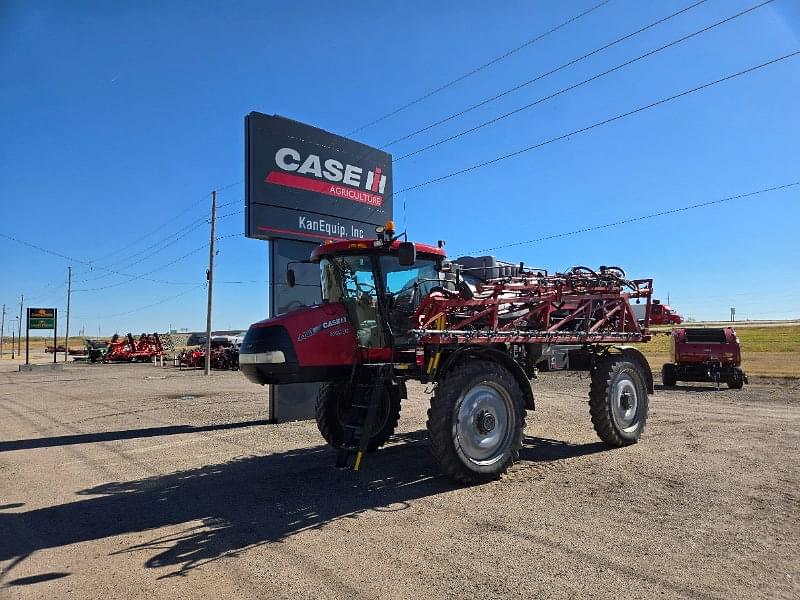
[(117, 120)]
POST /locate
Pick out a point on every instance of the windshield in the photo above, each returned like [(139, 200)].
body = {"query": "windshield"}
[(419, 278), (406, 286)]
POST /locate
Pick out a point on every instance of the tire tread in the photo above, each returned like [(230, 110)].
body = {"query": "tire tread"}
[(440, 419), (600, 405)]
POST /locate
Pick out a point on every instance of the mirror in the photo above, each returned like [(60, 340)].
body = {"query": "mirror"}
[(407, 254), (290, 281)]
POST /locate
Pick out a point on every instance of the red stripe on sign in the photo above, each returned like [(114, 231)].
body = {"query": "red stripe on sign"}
[(324, 187), (376, 180)]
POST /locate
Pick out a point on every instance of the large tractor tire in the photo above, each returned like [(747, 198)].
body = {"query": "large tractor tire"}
[(668, 375), (476, 422), (618, 401), (333, 406)]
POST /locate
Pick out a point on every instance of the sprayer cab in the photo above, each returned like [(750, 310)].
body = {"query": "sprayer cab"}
[(370, 290)]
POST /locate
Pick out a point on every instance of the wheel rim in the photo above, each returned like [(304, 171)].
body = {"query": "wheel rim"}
[(625, 404), (484, 423)]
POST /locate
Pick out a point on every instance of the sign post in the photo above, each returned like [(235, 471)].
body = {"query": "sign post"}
[(41, 318), (303, 186)]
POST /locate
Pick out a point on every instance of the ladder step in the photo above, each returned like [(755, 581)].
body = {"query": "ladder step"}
[(365, 397)]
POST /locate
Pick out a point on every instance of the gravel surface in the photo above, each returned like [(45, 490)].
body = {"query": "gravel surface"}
[(125, 481)]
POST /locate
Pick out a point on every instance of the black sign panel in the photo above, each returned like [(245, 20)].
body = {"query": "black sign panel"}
[(304, 183)]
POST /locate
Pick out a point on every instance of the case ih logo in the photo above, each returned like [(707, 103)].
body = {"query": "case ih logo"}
[(329, 176), (326, 325)]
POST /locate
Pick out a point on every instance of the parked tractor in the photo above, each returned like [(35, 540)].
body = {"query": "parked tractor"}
[(96, 349), (394, 311), (705, 355)]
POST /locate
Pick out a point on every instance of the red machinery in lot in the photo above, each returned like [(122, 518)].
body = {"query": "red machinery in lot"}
[(394, 311), (660, 313), (128, 349), (224, 356), (711, 355), (663, 314)]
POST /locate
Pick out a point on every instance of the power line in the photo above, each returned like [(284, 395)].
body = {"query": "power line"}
[(581, 83), (159, 268), (229, 203), (153, 253), (45, 250), (92, 266), (478, 69), (76, 260), (152, 231), (598, 124), (639, 218), (162, 301), (172, 219), (230, 214), (143, 276), (542, 75)]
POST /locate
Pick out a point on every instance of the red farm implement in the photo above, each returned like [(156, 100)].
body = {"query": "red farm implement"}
[(224, 356), (705, 354), (128, 349)]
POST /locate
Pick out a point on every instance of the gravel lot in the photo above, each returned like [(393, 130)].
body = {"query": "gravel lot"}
[(126, 481)]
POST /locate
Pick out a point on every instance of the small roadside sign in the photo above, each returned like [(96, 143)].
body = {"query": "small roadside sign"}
[(41, 318)]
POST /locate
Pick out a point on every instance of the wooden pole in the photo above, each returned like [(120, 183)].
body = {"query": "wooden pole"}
[(210, 277), (69, 295)]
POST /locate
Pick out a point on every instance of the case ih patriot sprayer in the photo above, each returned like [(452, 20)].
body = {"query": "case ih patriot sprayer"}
[(393, 311)]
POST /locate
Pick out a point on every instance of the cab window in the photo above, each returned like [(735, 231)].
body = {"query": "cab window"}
[(350, 280)]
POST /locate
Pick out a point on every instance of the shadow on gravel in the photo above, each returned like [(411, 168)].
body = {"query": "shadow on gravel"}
[(247, 502), (123, 434), (544, 449), (38, 578), (690, 388)]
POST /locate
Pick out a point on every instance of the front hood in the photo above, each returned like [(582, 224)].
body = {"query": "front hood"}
[(316, 335), (298, 314)]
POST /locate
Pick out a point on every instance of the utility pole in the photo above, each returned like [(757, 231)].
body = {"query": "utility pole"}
[(69, 295), (210, 278), (2, 330), (19, 325)]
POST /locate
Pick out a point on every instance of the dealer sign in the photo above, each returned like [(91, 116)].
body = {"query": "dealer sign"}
[(304, 183), (41, 318)]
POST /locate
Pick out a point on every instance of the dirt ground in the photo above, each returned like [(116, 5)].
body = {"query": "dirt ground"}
[(129, 481)]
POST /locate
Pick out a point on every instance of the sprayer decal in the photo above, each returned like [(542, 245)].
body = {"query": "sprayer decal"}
[(326, 325), (330, 177)]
